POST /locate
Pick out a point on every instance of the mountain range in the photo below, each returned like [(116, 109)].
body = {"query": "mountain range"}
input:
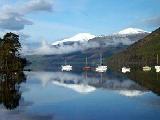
[(76, 48), (87, 37)]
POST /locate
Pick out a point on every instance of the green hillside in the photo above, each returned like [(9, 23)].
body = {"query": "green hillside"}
[(141, 53)]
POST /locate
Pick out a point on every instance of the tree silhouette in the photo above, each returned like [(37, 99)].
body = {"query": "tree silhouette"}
[(10, 59), (11, 70)]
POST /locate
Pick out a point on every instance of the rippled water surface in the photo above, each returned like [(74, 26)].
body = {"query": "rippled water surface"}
[(79, 96)]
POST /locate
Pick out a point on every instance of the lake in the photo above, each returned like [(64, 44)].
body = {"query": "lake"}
[(79, 96)]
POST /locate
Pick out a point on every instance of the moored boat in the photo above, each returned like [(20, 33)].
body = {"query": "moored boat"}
[(157, 67), (101, 67), (125, 69), (66, 67), (147, 68), (86, 67)]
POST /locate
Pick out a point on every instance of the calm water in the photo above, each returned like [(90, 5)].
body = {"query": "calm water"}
[(79, 96)]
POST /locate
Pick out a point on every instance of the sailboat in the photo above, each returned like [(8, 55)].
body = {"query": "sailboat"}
[(86, 67), (101, 67), (125, 69), (157, 67), (146, 68), (66, 67)]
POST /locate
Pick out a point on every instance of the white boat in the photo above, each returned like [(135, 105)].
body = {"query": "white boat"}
[(66, 67), (101, 68), (125, 69), (146, 68), (157, 67)]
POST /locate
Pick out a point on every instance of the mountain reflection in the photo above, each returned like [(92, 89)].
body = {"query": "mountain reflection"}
[(149, 80), (9, 88), (88, 82), (133, 84)]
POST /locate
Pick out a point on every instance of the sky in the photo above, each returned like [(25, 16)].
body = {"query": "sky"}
[(51, 20)]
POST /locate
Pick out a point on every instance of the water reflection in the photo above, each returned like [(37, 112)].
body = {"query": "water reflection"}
[(149, 80), (9, 88), (67, 95), (88, 82)]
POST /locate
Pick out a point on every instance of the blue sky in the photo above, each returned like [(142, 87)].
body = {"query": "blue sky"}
[(56, 19)]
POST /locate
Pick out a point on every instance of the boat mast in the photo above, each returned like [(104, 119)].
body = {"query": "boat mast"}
[(86, 75), (157, 59), (86, 61), (65, 62), (101, 59)]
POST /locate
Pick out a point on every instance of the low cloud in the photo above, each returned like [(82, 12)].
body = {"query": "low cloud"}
[(46, 49), (14, 17), (69, 47)]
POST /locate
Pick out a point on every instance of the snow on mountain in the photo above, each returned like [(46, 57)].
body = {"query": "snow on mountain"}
[(84, 41), (132, 31), (79, 37)]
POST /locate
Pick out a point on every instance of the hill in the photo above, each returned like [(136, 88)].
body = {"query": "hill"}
[(142, 52)]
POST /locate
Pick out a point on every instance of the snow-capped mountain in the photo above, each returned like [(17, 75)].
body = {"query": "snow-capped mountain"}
[(81, 37), (84, 41), (126, 36), (132, 31)]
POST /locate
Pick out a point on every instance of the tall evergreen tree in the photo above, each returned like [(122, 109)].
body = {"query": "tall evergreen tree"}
[(10, 59)]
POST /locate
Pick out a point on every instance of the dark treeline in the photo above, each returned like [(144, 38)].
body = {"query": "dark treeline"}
[(11, 70)]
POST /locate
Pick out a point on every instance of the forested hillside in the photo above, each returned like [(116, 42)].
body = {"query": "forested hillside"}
[(141, 53)]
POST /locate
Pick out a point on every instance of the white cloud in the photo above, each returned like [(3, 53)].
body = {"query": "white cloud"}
[(47, 49), (37, 5), (13, 17)]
